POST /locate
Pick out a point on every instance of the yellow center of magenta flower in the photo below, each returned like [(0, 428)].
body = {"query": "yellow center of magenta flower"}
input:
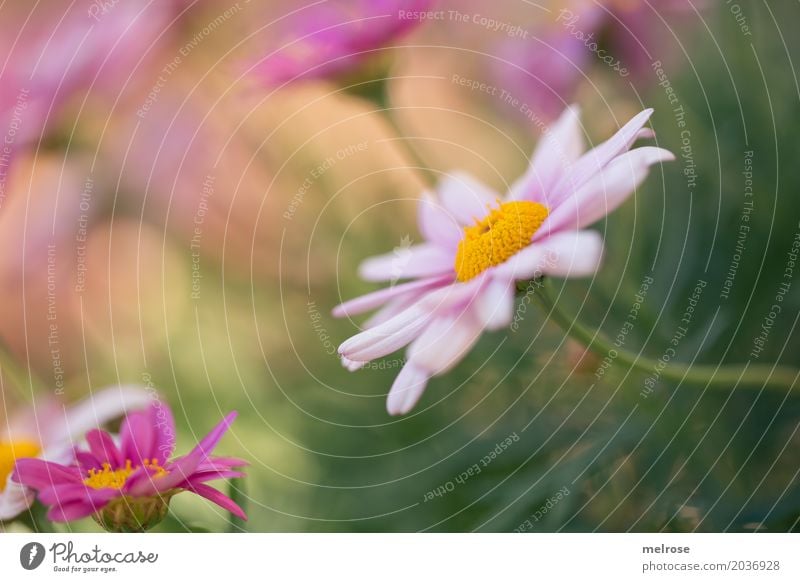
[(503, 233), (10, 452), (108, 478)]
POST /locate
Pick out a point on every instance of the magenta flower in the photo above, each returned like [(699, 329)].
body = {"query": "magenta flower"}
[(49, 430), (334, 37), (127, 487), (478, 245)]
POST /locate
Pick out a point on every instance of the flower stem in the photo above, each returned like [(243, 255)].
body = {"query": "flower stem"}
[(724, 376), (238, 493), (35, 518)]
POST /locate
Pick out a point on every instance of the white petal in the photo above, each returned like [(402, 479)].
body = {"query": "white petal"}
[(402, 328), (604, 193), (101, 407), (526, 264), (14, 499), (466, 199), (454, 296), (35, 422), (406, 389), (597, 158), (558, 149), (387, 337), (571, 254), (424, 260), (494, 307), (645, 133), (445, 341), (352, 365), (437, 225), (375, 299), (391, 309)]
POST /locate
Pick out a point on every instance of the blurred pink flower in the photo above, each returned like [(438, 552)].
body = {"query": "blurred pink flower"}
[(49, 52), (624, 35), (477, 246), (334, 37), (128, 486), (49, 430)]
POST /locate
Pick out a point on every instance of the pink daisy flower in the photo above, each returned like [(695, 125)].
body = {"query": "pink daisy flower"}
[(477, 245), (128, 486), (49, 430)]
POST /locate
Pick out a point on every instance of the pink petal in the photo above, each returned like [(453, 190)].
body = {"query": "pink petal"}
[(206, 446), (63, 494), (39, 474), (494, 307), (453, 296), (137, 437), (529, 263), (596, 159), (103, 448), (221, 463), (392, 308), (143, 482), (436, 225), (573, 254), (386, 338), (183, 468), (606, 191), (161, 418), (406, 390), (558, 149), (466, 199), (564, 254), (87, 461), (444, 343), (424, 260), (375, 299), (206, 476), (72, 511), (645, 133), (398, 331), (217, 497), (352, 365)]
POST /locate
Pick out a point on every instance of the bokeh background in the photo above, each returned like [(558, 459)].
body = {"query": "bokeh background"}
[(188, 222)]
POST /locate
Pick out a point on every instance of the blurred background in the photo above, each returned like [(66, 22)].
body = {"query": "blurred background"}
[(180, 206)]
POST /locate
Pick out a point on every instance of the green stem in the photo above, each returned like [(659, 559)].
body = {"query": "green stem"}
[(238, 493), (35, 518), (721, 376)]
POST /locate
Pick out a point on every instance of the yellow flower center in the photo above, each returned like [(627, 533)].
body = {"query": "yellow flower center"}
[(108, 478), (10, 452), (498, 237)]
